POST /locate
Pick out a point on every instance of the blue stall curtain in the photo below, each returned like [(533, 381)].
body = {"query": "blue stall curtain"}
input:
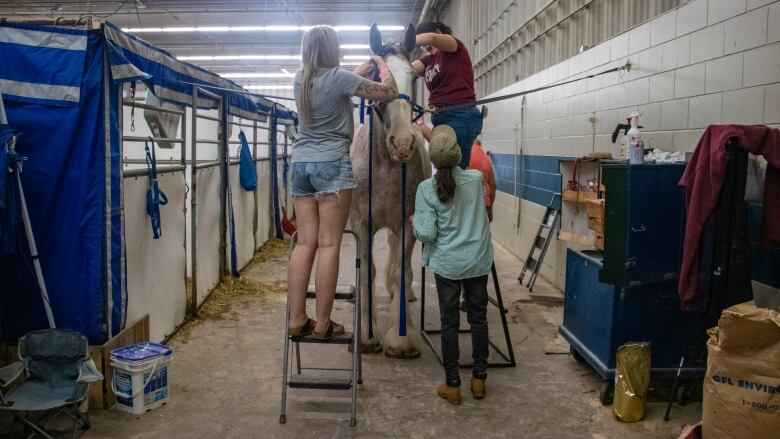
[(247, 171), (61, 87)]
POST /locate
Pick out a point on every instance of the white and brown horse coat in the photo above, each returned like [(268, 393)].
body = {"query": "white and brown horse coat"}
[(396, 141)]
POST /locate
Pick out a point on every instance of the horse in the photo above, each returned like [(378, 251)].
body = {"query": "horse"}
[(396, 140)]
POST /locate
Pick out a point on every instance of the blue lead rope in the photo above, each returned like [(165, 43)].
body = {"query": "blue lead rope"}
[(233, 246), (272, 125), (154, 196), (402, 314), (370, 216)]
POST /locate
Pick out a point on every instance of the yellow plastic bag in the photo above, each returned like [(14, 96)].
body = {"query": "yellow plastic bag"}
[(632, 379)]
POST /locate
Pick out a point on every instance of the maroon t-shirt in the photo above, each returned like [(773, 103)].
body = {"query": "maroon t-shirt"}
[(449, 77)]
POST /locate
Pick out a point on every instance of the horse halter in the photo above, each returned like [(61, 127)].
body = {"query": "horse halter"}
[(417, 110)]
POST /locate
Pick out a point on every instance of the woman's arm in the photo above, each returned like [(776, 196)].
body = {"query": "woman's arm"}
[(419, 67), (425, 130), (443, 42), (387, 90)]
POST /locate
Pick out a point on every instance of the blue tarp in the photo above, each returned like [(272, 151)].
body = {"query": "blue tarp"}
[(61, 88), (133, 59), (54, 93)]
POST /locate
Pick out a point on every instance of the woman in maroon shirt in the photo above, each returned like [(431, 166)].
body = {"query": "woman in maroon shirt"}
[(450, 80)]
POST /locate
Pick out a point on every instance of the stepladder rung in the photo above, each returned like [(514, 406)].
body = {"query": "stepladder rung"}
[(345, 338), (532, 263), (293, 375), (343, 292), (540, 241), (319, 383)]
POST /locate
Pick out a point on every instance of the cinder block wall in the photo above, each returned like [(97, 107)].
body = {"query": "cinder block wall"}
[(707, 62)]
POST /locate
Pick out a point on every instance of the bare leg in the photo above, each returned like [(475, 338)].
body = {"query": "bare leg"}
[(302, 259), (333, 214)]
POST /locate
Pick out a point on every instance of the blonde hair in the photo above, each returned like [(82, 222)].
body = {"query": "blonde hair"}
[(319, 51)]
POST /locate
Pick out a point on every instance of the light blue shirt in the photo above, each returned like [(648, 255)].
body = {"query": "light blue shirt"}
[(456, 234), (328, 135)]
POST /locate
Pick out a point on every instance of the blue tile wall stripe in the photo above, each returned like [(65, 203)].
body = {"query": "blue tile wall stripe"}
[(539, 177)]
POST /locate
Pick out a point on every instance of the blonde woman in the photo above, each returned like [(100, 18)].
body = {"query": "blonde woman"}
[(322, 179)]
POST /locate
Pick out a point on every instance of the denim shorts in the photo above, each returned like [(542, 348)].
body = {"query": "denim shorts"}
[(315, 179)]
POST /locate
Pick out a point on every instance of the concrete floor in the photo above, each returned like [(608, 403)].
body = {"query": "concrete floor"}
[(226, 377)]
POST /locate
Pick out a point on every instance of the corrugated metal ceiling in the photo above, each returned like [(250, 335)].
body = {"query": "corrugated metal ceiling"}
[(208, 13)]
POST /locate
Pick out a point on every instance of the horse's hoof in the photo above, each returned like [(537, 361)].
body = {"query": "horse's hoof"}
[(411, 298), (410, 353), (371, 348)]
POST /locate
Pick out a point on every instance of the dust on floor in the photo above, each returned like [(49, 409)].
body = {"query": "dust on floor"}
[(226, 374)]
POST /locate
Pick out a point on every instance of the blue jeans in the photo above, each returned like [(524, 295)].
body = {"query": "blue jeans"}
[(314, 179), (467, 123)]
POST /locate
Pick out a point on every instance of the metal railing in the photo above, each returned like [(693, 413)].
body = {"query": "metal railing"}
[(189, 163)]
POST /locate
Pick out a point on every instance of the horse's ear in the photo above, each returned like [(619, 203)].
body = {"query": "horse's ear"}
[(375, 40), (410, 39)]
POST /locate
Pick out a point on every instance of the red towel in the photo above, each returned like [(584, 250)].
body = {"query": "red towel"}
[(703, 179)]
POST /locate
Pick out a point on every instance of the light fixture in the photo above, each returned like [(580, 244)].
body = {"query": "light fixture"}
[(351, 63), (268, 87), (262, 57), (256, 75), (355, 46), (237, 57), (282, 28), (287, 72)]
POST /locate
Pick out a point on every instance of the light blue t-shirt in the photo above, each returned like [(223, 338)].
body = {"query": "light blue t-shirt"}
[(329, 134), (456, 234)]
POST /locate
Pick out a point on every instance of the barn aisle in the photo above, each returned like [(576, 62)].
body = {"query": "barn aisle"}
[(226, 375)]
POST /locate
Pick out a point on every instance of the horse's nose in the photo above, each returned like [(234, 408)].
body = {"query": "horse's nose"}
[(402, 145)]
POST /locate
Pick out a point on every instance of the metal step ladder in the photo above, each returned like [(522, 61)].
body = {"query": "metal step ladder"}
[(545, 234), (348, 293)]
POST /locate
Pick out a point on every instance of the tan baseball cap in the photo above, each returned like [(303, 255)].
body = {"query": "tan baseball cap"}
[(444, 150)]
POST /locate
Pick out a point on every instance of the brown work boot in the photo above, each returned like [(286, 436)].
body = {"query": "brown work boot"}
[(478, 388), (451, 394)]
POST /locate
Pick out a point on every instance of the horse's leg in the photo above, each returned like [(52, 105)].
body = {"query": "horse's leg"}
[(368, 345), (397, 346), (407, 257), (392, 266)]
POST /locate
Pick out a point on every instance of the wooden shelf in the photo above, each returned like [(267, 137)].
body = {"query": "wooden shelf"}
[(578, 196)]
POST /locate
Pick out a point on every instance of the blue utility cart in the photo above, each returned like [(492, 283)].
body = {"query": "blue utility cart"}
[(628, 292)]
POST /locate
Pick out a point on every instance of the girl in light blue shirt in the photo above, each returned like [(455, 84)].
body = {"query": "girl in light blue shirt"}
[(450, 219)]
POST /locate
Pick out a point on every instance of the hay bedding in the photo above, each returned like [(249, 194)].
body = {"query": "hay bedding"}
[(236, 291)]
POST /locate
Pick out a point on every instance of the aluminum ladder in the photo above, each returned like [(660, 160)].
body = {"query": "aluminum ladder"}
[(349, 293), (546, 232)]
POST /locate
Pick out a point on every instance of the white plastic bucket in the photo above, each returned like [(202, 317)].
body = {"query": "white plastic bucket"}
[(140, 380)]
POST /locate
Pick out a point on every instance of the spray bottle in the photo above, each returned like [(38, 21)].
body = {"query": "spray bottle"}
[(635, 147)]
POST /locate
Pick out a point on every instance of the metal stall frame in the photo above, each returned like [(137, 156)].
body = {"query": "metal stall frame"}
[(183, 162), (224, 162)]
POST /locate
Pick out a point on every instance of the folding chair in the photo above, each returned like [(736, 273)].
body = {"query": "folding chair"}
[(58, 370)]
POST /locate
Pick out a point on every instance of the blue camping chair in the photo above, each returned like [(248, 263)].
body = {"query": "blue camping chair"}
[(58, 369)]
